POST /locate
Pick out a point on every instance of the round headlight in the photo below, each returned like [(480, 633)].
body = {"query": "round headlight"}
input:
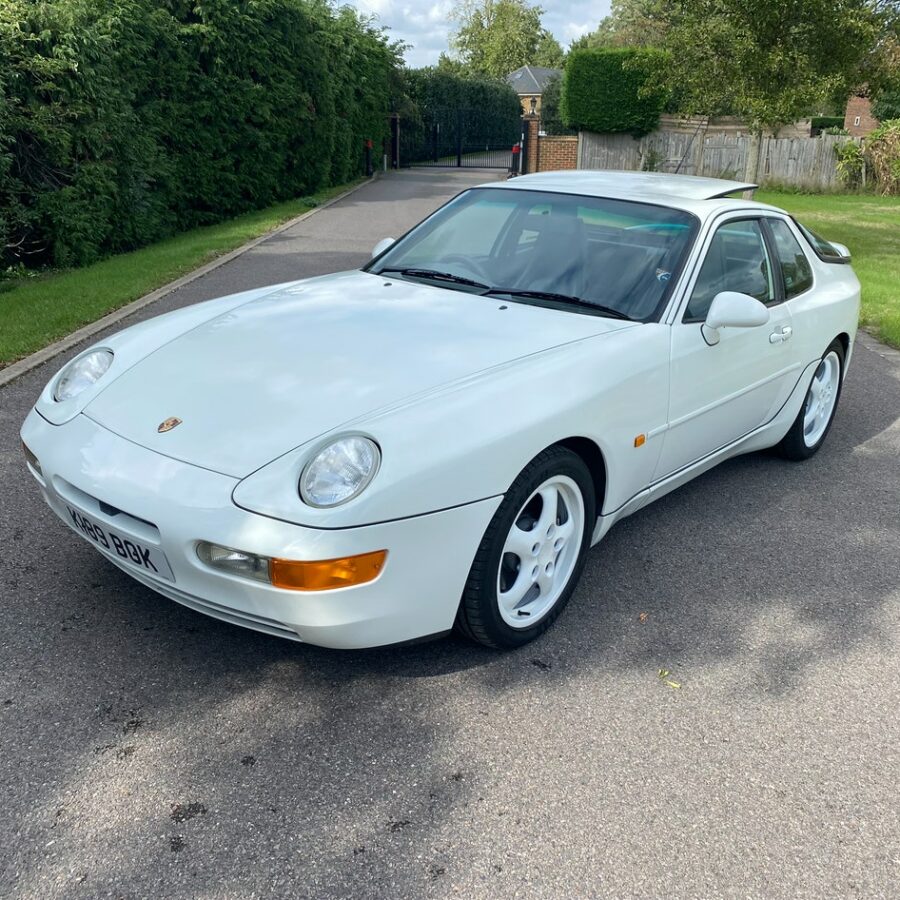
[(340, 471), (81, 373)]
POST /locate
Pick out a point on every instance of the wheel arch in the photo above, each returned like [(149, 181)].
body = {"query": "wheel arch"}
[(593, 458), (844, 338)]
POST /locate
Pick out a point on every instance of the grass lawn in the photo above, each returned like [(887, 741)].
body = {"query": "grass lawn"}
[(36, 311), (870, 227)]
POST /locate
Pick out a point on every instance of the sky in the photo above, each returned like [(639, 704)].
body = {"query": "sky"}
[(427, 25)]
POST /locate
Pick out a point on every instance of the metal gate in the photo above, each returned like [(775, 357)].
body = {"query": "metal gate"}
[(457, 138)]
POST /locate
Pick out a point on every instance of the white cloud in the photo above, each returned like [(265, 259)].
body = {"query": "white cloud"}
[(427, 27)]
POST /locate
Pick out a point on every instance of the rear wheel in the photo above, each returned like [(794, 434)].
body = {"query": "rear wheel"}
[(532, 553), (814, 420)]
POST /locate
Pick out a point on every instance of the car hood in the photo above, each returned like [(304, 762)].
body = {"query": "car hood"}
[(262, 378)]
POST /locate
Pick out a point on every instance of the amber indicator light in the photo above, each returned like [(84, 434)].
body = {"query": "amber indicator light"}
[(326, 574)]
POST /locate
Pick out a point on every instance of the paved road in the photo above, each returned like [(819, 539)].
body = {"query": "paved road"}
[(147, 751)]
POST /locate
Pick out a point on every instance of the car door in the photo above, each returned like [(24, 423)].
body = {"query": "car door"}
[(720, 393)]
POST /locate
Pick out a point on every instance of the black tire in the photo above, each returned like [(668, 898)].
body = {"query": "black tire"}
[(479, 615), (793, 445)]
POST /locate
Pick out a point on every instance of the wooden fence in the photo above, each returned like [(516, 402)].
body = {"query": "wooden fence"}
[(799, 161)]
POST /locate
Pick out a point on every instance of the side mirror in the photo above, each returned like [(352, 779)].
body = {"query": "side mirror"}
[(842, 249), (381, 246), (730, 309)]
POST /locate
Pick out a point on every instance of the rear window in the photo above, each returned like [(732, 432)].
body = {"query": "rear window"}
[(824, 250)]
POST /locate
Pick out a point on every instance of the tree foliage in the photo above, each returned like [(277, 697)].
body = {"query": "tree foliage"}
[(549, 53), (630, 23), (122, 121), (496, 37), (769, 63), (886, 105), (551, 112), (614, 90)]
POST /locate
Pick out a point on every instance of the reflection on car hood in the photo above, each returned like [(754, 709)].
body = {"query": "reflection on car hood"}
[(278, 371)]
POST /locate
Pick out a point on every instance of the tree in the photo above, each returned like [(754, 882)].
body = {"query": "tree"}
[(496, 37), (631, 23), (549, 53), (886, 105), (551, 114), (769, 63)]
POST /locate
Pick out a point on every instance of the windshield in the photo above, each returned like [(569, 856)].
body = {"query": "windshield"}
[(611, 257)]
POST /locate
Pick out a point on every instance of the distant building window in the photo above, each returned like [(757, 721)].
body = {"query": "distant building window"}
[(856, 121)]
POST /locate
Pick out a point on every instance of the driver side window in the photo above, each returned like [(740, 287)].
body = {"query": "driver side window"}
[(736, 260)]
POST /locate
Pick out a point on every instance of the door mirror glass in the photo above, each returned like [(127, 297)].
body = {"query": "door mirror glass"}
[(731, 309), (381, 246)]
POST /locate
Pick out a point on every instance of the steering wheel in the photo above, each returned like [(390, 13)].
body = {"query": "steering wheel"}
[(471, 265)]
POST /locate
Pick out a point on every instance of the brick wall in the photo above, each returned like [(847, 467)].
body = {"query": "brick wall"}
[(861, 108), (557, 152), (548, 152)]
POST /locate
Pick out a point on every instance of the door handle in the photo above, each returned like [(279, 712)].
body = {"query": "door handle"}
[(778, 337)]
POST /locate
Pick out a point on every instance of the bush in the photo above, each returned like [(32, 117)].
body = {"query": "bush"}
[(122, 121), (613, 90), (882, 153), (824, 123), (886, 105), (850, 163)]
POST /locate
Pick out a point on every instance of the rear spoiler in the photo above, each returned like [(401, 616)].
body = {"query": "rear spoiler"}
[(733, 189)]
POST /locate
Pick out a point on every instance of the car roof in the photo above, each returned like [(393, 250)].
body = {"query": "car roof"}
[(696, 194)]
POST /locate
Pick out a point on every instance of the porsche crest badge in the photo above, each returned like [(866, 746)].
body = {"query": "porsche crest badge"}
[(169, 424)]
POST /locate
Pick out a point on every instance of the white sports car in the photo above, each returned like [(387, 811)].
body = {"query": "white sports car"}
[(374, 456)]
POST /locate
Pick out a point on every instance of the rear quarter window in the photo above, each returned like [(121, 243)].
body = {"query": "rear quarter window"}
[(796, 272), (824, 250)]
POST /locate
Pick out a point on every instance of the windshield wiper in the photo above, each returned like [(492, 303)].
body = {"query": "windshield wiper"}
[(563, 298), (437, 276)]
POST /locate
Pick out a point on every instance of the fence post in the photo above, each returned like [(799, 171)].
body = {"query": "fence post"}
[(752, 168), (395, 141), (459, 137)]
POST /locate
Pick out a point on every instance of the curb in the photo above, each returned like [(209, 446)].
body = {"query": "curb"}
[(870, 342), (38, 358)]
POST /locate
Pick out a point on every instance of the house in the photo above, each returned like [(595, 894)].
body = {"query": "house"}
[(858, 118), (529, 83)]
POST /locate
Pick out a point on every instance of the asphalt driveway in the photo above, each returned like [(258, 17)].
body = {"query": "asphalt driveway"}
[(148, 751)]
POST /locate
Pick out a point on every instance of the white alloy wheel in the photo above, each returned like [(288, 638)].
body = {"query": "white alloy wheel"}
[(540, 552), (821, 399)]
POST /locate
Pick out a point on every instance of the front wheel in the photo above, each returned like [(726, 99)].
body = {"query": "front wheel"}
[(532, 553), (814, 420)]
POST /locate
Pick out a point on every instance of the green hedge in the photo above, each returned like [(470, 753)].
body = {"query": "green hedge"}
[(820, 123), (122, 121), (489, 110), (613, 90)]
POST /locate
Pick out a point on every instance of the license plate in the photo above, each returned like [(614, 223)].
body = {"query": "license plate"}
[(151, 560)]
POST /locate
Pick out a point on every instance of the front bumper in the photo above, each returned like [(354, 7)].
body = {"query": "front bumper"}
[(172, 505)]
